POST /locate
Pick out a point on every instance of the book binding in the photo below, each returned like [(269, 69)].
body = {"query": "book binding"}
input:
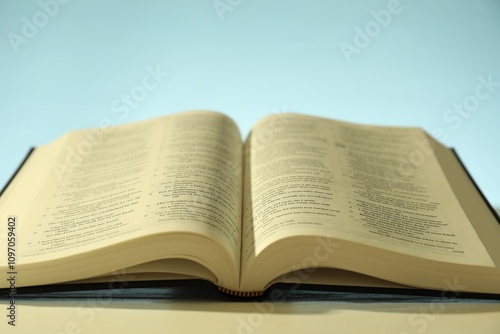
[(240, 293)]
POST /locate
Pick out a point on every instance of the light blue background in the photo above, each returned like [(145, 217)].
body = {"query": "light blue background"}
[(259, 57)]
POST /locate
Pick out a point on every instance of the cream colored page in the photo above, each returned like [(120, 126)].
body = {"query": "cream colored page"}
[(22, 192), (398, 197), (108, 186), (91, 194), (377, 186), (196, 181), (290, 186)]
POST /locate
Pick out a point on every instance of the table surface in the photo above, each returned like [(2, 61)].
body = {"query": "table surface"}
[(100, 315), (195, 306)]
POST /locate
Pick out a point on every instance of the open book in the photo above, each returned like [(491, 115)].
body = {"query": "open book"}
[(303, 199)]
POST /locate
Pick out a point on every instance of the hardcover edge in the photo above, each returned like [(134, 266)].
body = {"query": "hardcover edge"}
[(23, 162), (198, 289), (485, 200)]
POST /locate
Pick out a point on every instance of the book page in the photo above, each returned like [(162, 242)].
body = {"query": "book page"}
[(180, 173), (196, 179), (377, 186)]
